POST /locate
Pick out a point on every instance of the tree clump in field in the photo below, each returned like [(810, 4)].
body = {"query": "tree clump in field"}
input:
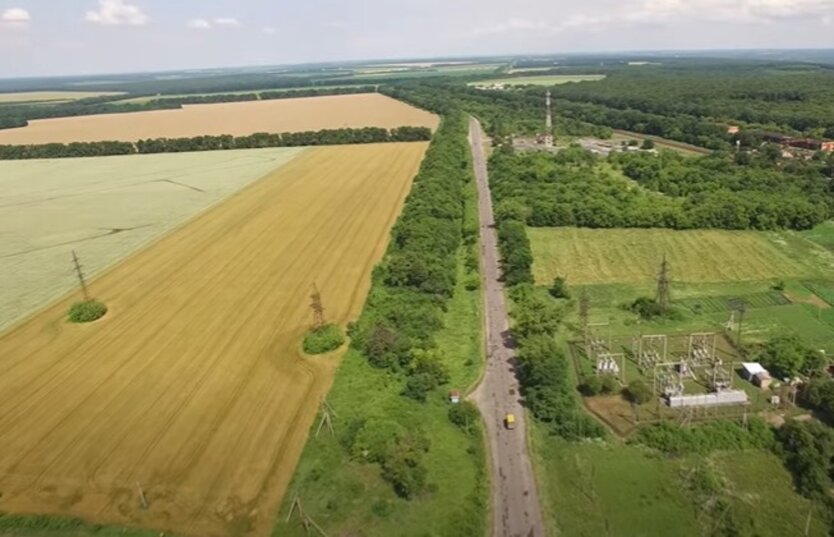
[(720, 435), (397, 450), (637, 392), (324, 339), (786, 356), (87, 311)]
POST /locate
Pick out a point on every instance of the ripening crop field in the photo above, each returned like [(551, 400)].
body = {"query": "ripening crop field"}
[(597, 256), (105, 209), (238, 119), (193, 385)]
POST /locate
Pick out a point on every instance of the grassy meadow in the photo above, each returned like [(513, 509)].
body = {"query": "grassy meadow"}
[(619, 490), (605, 256)]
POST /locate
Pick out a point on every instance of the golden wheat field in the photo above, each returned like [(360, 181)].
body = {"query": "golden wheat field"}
[(193, 384), (283, 115)]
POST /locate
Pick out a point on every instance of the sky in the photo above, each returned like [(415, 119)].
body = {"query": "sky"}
[(66, 37)]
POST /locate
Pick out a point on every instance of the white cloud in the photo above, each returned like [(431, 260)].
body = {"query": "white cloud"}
[(737, 11), (226, 21), (206, 24), (117, 13), (199, 24), (269, 30), (15, 17)]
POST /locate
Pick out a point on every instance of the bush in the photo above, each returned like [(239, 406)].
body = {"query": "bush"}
[(648, 144), (87, 311), (325, 339), (466, 416), (703, 439), (591, 386), (638, 393), (646, 308), (472, 282), (808, 451), (609, 384), (559, 289)]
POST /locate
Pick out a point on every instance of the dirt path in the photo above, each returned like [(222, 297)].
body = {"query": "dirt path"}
[(515, 501)]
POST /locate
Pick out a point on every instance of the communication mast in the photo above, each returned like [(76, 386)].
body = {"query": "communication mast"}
[(317, 307), (663, 283), (548, 123)]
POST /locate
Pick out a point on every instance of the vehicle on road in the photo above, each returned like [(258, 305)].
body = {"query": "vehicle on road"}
[(509, 421)]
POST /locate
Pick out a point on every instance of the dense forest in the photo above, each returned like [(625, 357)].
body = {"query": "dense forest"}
[(366, 135), (646, 190)]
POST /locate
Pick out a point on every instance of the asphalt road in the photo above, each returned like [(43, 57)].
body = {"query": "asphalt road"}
[(516, 511)]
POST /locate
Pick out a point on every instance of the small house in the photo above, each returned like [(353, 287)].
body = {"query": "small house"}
[(733, 129), (454, 397), (758, 375)]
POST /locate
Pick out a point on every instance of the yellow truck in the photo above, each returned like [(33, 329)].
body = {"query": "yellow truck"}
[(509, 421)]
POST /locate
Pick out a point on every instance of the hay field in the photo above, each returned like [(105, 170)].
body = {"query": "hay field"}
[(193, 384), (50, 96), (104, 208), (282, 115), (594, 256)]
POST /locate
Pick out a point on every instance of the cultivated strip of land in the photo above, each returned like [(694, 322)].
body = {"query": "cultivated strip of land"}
[(104, 209), (193, 385), (283, 115)]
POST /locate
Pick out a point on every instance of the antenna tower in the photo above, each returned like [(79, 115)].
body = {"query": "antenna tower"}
[(663, 283), (318, 309), (80, 274), (548, 123)]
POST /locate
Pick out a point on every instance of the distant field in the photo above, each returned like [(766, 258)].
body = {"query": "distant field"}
[(104, 208), (142, 100), (284, 115), (594, 256), (193, 384), (48, 96), (544, 80)]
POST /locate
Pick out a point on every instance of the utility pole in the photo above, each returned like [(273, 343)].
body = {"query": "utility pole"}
[(80, 274), (741, 311), (317, 307), (584, 311), (548, 123), (663, 282)]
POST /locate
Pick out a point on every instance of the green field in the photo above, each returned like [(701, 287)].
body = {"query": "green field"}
[(607, 488), (348, 497), (148, 98), (595, 256), (543, 80)]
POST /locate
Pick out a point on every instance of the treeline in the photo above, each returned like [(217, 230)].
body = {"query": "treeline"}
[(797, 100), (410, 291), (261, 95), (14, 116), (366, 135), (572, 188), (543, 369)]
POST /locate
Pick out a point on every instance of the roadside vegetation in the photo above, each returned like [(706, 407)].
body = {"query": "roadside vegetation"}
[(401, 459)]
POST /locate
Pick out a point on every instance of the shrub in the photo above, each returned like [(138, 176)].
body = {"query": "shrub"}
[(786, 355), (472, 282), (702, 439), (325, 339), (87, 311), (647, 144), (466, 416), (559, 289), (609, 384), (638, 393), (646, 308), (591, 386)]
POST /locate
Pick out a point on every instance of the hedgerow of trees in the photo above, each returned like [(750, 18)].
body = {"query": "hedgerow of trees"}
[(364, 135)]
